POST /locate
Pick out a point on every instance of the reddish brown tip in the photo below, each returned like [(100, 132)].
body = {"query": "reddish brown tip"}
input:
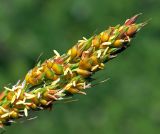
[(133, 19)]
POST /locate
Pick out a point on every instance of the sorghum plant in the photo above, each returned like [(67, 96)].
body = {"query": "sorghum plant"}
[(62, 76)]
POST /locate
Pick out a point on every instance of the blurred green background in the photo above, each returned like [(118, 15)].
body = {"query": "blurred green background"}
[(129, 103)]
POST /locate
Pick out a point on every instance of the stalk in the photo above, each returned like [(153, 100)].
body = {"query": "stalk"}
[(62, 76)]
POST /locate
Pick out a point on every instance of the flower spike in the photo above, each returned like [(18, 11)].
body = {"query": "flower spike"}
[(62, 76)]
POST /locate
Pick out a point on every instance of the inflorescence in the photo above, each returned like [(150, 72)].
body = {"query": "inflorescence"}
[(65, 75)]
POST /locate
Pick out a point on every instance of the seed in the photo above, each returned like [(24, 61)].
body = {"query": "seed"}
[(73, 52), (45, 94), (96, 42), (32, 81), (118, 43), (104, 37), (35, 100), (1, 112), (10, 95), (85, 64), (49, 63), (49, 74), (131, 30), (14, 114), (72, 90), (43, 102), (94, 60), (57, 68), (84, 73), (33, 106)]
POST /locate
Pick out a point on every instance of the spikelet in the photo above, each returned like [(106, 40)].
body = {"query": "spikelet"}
[(65, 75)]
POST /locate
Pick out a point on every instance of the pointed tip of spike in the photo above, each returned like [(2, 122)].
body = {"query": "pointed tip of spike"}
[(132, 19)]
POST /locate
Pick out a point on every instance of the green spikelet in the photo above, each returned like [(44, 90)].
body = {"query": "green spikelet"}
[(65, 75)]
